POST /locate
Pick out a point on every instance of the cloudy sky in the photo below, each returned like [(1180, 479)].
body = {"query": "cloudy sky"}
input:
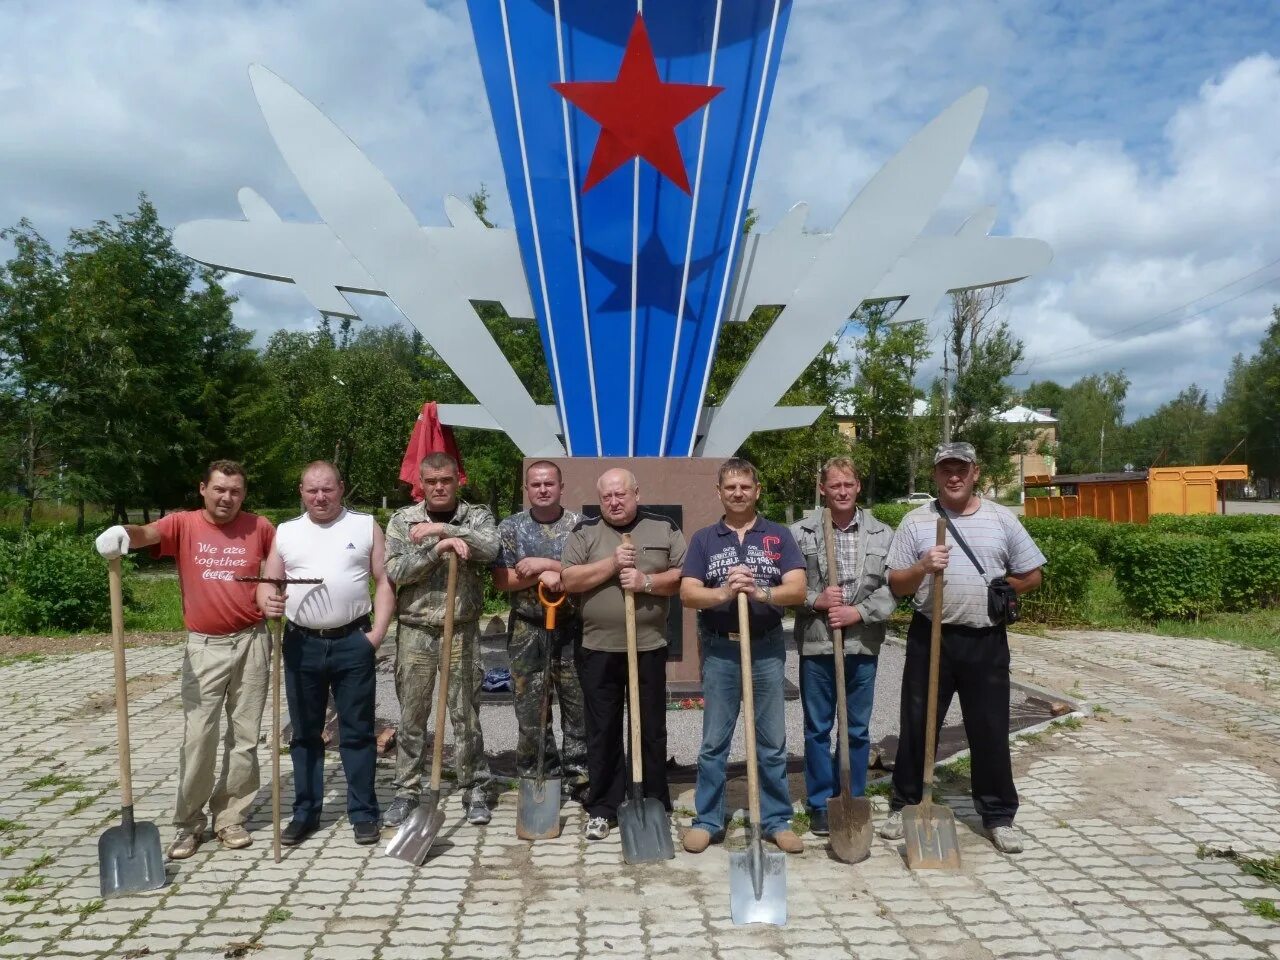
[(1141, 140)]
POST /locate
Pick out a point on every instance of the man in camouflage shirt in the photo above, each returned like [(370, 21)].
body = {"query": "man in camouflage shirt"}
[(529, 545), (418, 539)]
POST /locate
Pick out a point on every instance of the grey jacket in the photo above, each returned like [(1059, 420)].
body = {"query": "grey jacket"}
[(872, 597)]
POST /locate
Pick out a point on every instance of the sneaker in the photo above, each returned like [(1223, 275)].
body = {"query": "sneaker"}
[(696, 840), (818, 822), (365, 832), (478, 813), (1006, 839), (788, 842), (597, 828), (399, 811), (891, 829), (235, 837), (184, 844), (295, 832)]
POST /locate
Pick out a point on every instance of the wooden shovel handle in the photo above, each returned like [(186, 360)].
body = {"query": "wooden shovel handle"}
[(935, 655), (446, 658), (837, 649), (275, 634), (748, 708), (633, 680), (114, 580)]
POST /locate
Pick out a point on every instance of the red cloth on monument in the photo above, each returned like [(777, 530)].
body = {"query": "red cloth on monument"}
[(429, 436)]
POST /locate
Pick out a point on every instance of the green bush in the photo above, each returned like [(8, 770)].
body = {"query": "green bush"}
[(1251, 572), (1213, 524), (1095, 533), (1170, 575), (892, 513), (1069, 567), (53, 580)]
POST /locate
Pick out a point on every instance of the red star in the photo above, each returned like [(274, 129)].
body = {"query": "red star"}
[(637, 113)]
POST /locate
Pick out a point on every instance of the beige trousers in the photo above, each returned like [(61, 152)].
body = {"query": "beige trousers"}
[(221, 673)]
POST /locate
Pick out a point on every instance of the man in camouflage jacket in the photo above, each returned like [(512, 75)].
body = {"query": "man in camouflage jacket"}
[(529, 550), (418, 539)]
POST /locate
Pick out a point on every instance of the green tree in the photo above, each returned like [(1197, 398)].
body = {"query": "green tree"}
[(1177, 433), (985, 353), (883, 396), (1092, 411), (32, 292)]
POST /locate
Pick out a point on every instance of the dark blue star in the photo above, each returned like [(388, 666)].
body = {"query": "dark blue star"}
[(659, 278)]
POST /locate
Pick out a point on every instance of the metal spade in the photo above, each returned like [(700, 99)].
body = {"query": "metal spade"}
[(538, 806)]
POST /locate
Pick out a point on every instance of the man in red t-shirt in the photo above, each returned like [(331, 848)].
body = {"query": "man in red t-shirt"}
[(228, 650)]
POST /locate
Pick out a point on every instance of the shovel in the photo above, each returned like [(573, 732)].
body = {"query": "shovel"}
[(129, 857), (642, 821), (277, 647), (538, 807), (930, 831), (849, 816), (413, 840), (757, 878)]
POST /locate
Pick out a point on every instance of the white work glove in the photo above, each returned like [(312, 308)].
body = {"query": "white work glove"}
[(113, 542)]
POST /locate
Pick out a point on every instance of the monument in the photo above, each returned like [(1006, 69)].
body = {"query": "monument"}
[(629, 137)]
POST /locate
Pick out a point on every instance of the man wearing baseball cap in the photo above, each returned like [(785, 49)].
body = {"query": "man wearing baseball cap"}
[(984, 541)]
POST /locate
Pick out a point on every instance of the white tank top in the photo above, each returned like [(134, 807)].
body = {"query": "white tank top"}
[(337, 552)]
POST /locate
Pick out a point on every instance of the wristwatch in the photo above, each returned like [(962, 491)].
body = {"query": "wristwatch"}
[(648, 584), (768, 593)]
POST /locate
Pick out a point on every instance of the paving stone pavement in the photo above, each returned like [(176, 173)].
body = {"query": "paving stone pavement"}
[(1185, 752)]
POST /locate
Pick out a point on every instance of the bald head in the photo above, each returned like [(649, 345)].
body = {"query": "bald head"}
[(619, 496)]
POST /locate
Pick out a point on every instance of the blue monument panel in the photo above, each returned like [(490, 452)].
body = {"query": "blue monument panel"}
[(599, 274)]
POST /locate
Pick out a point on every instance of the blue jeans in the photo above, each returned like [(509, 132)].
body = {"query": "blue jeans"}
[(722, 692), (818, 693), (312, 666)]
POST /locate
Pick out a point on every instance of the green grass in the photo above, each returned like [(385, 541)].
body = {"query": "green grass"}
[(21, 658), (81, 804), (879, 789), (801, 822), (26, 882), (17, 898), (1104, 609), (9, 826), (1261, 907), (90, 908), (278, 915), (156, 606), (1068, 723), (58, 782), (957, 771)]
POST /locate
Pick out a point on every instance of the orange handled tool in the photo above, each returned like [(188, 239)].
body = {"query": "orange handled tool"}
[(550, 605)]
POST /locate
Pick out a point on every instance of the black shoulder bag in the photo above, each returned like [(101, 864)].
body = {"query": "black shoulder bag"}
[(1002, 599)]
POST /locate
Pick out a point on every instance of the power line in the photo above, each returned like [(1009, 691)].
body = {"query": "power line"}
[(1110, 341)]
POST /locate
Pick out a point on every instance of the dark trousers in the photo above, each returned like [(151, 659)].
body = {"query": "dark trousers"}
[(975, 664), (312, 667), (604, 690)]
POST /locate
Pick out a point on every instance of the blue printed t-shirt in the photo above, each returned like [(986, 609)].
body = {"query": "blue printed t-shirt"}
[(767, 548)]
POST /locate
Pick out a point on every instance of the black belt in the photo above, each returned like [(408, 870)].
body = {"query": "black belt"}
[(330, 633)]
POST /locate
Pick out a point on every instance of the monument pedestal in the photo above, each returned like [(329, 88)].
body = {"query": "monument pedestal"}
[(683, 489)]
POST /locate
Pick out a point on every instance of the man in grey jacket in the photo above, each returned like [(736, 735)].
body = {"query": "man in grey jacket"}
[(858, 600)]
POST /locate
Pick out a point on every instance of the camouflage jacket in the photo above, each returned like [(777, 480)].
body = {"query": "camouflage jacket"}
[(420, 574), (520, 536)]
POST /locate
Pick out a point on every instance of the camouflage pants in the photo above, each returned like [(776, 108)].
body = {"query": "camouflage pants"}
[(528, 653), (417, 662)]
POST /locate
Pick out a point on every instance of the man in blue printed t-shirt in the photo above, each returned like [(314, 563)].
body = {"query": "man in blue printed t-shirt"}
[(742, 553)]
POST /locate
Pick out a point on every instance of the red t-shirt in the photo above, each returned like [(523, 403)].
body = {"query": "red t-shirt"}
[(210, 557)]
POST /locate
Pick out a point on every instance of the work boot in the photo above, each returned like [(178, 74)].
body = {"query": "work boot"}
[(365, 832), (235, 837), (399, 811), (891, 829), (696, 840), (819, 825), (296, 831), (788, 842), (597, 828), (184, 844), (478, 813), (1006, 839)]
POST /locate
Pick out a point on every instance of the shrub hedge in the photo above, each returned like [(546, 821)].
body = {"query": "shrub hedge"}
[(892, 513), (1213, 524), (1070, 566), (1251, 571), (53, 580), (1169, 574)]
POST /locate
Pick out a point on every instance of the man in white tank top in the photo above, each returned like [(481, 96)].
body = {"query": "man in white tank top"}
[(330, 645)]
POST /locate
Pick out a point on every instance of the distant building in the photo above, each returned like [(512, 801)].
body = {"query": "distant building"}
[(1039, 452)]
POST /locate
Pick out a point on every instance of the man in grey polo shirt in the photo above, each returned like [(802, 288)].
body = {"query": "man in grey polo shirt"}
[(975, 651)]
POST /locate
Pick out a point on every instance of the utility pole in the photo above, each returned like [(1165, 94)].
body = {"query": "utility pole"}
[(946, 395)]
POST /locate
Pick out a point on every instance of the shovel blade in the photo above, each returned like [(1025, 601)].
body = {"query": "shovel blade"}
[(646, 831), (758, 885), (416, 835), (850, 820), (130, 859), (930, 835), (538, 809)]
